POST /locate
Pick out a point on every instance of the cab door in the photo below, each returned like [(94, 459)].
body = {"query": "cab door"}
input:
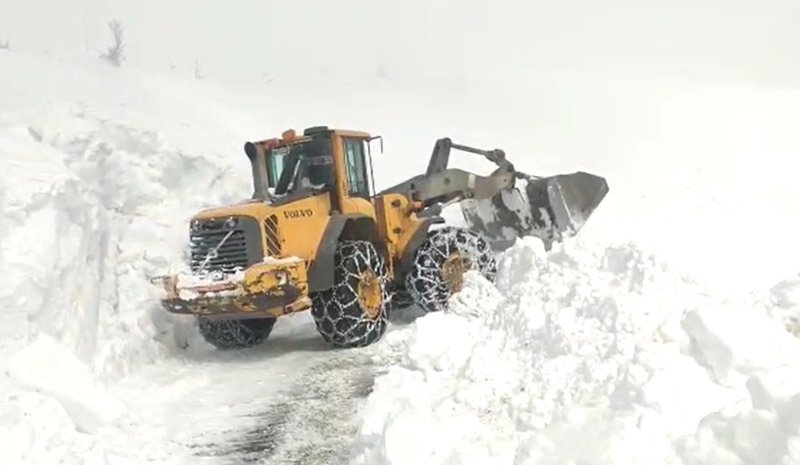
[(355, 164), (356, 186)]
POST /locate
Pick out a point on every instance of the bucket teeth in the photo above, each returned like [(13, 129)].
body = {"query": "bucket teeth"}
[(550, 208)]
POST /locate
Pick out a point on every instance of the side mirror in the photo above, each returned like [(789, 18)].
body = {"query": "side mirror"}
[(369, 142)]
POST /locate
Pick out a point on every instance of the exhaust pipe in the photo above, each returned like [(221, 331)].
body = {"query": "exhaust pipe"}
[(258, 162)]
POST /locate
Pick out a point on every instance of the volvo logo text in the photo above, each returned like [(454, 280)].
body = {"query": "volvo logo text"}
[(292, 214)]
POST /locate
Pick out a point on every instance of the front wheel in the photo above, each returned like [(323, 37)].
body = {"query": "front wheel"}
[(235, 334), (353, 313), (441, 261)]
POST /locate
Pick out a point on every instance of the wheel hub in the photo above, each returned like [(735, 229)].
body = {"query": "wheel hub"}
[(369, 294), (453, 270)]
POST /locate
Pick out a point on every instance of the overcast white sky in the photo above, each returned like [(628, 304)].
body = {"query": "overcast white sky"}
[(703, 39), (579, 85)]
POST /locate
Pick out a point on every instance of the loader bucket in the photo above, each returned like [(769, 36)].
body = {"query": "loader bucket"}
[(552, 208)]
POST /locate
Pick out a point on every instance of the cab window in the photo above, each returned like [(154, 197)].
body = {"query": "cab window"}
[(305, 165), (355, 167), (276, 159)]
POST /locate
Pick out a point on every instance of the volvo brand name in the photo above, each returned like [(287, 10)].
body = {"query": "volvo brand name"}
[(292, 214)]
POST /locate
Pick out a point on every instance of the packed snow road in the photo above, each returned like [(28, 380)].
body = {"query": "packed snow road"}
[(292, 400)]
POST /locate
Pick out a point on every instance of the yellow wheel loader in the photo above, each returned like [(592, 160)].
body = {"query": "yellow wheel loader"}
[(316, 235)]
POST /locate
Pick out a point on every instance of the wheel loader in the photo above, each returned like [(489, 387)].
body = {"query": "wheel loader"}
[(315, 235)]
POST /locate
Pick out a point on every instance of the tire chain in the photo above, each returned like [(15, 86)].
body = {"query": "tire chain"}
[(337, 312), (233, 334), (425, 283)]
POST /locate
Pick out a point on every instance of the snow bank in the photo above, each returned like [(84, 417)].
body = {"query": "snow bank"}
[(99, 233), (97, 191), (586, 354), (101, 172), (47, 367)]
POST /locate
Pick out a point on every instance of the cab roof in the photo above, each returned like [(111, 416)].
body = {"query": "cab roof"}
[(290, 136), (341, 132)]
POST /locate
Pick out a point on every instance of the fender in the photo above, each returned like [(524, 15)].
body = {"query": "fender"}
[(417, 238), (349, 226)]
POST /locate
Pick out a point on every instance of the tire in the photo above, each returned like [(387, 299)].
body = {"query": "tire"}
[(354, 313), (235, 334), (440, 263), (401, 298)]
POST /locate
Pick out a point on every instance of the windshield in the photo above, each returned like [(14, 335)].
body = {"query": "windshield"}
[(301, 166), (276, 159)]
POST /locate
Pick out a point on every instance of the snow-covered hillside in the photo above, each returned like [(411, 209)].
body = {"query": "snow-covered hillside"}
[(662, 334)]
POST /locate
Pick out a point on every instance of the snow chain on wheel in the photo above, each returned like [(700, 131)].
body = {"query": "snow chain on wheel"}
[(441, 261), (235, 334), (353, 313)]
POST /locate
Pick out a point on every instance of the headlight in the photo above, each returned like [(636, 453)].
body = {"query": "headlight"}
[(231, 222), (195, 226)]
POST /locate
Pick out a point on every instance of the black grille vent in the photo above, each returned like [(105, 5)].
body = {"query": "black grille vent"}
[(273, 239), (238, 250)]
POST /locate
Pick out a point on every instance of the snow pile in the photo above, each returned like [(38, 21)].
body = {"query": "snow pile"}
[(95, 198), (785, 299), (48, 368), (100, 232), (581, 355)]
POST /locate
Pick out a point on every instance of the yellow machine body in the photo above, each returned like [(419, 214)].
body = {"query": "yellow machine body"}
[(293, 236)]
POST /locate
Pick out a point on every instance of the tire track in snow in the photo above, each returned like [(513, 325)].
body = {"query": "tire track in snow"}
[(313, 422), (325, 411)]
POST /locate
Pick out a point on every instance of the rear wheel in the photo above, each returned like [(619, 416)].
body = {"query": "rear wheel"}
[(235, 334), (353, 313), (441, 261)]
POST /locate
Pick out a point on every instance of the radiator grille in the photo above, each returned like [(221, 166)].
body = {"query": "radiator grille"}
[(273, 239), (208, 255)]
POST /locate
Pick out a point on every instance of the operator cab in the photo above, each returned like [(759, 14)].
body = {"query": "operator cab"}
[(305, 165)]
